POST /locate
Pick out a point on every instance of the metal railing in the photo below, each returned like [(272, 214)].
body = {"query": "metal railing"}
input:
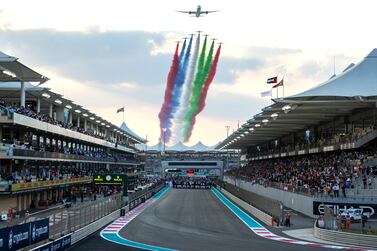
[(71, 219)]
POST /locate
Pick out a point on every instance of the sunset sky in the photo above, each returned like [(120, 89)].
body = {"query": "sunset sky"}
[(109, 54)]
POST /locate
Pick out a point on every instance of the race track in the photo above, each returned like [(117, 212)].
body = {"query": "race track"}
[(185, 219)]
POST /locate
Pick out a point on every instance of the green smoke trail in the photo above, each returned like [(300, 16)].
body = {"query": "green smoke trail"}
[(204, 67)]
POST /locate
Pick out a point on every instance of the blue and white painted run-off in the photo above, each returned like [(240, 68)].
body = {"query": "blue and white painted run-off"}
[(111, 232), (261, 231)]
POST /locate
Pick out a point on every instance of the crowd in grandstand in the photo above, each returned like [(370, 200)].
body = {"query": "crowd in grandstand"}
[(326, 173), (45, 118), (56, 173), (98, 154), (323, 138)]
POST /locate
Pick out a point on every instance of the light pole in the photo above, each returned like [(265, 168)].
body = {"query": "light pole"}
[(227, 130), (146, 144), (164, 132)]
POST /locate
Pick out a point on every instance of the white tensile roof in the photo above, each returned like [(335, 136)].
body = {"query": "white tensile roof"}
[(355, 80), (127, 130), (179, 147)]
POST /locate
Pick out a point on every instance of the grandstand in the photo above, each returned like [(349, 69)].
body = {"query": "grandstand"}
[(51, 146), (320, 143), (156, 159)]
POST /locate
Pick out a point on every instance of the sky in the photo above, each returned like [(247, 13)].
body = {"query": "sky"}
[(108, 54)]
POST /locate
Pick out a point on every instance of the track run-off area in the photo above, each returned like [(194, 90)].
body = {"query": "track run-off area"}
[(189, 219)]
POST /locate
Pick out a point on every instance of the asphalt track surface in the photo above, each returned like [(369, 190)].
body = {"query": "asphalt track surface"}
[(185, 219)]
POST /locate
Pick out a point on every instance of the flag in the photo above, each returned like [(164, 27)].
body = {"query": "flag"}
[(281, 83), (266, 93), (272, 80), (120, 110)]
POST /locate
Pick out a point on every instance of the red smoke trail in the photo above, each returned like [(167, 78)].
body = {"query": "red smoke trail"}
[(203, 94), (169, 90)]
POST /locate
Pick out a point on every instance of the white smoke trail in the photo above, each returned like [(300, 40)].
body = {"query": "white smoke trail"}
[(185, 99)]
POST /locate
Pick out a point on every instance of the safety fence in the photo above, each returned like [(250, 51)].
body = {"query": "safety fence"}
[(345, 238), (81, 232), (139, 197)]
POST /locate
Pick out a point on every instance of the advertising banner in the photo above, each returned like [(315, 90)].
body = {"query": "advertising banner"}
[(14, 238), (57, 245), (20, 236), (39, 230), (109, 179), (368, 208)]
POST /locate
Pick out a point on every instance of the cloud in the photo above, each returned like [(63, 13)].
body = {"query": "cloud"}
[(117, 56), (129, 86)]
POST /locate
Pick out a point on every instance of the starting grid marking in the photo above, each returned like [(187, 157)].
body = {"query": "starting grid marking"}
[(263, 232)]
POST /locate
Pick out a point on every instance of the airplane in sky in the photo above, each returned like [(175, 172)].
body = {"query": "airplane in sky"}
[(198, 12)]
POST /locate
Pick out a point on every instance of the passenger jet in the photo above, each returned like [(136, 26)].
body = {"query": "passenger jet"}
[(198, 12)]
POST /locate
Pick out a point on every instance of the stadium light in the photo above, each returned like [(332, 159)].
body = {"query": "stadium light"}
[(246, 132), (9, 73), (288, 108), (107, 126), (58, 101), (85, 115), (91, 118), (77, 111), (238, 137), (274, 116), (97, 121), (251, 129), (46, 95), (102, 123), (265, 121), (257, 125), (68, 106)]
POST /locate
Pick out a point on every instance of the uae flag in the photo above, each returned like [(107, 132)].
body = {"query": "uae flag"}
[(120, 110), (272, 80), (281, 83)]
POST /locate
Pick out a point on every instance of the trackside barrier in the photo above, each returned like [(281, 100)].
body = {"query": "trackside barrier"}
[(95, 226), (352, 239), (84, 232), (260, 215)]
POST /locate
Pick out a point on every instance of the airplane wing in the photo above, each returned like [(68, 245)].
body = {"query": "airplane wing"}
[(189, 12), (208, 11)]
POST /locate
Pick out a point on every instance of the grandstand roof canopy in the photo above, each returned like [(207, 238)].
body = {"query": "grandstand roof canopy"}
[(355, 80), (12, 70), (355, 87)]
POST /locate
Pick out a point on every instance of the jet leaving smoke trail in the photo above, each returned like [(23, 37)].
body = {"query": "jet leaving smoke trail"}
[(187, 89), (196, 91), (177, 91), (168, 91), (203, 94)]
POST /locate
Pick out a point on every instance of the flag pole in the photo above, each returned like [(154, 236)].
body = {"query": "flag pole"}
[(123, 115), (277, 92)]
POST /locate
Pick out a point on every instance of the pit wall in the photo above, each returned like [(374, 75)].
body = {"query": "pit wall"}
[(298, 202), (260, 215)]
